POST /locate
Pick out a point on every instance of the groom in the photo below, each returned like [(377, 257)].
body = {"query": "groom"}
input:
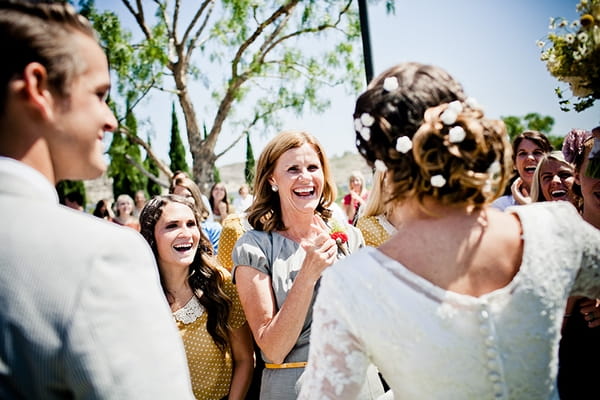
[(81, 310)]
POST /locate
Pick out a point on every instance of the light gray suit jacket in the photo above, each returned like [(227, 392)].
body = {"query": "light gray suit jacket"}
[(82, 314)]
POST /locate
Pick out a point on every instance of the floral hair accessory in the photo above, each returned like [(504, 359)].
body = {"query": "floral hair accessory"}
[(437, 181), (365, 133), (449, 116), (473, 103), (366, 119), (457, 134), (403, 144), (357, 125), (380, 166), (573, 144), (494, 168), (390, 83)]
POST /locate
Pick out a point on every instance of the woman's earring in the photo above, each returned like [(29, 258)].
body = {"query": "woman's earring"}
[(275, 188)]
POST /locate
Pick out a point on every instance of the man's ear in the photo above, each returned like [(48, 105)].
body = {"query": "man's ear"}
[(34, 88)]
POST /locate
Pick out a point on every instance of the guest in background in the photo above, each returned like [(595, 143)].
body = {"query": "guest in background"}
[(139, 200), (124, 214), (356, 197), (579, 351), (528, 149), (553, 179), (243, 200), (464, 301), (203, 300), (74, 200), (183, 174), (278, 263), (104, 210), (378, 218), (185, 187), (219, 202)]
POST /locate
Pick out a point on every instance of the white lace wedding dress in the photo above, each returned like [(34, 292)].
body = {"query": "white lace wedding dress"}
[(429, 343)]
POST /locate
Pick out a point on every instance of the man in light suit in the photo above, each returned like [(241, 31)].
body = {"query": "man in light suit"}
[(82, 315)]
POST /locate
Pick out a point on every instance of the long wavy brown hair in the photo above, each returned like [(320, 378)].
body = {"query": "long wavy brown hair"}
[(204, 278)]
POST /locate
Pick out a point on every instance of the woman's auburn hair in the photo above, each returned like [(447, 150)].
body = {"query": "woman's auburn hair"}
[(265, 212), (205, 278)]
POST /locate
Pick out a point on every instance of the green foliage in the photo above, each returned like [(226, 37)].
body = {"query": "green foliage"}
[(571, 55), (152, 188), (65, 187), (216, 174), (535, 122), (176, 148), (249, 168), (250, 49), (127, 178)]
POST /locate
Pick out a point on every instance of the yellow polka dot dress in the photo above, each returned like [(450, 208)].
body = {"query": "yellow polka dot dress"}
[(375, 229), (210, 368), (234, 227)]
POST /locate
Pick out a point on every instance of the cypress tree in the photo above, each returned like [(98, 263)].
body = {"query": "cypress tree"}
[(152, 188), (126, 177), (249, 168), (176, 148)]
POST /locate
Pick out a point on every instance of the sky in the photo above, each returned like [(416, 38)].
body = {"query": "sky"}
[(487, 45)]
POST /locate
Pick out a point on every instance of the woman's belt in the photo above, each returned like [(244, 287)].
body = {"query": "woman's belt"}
[(299, 364)]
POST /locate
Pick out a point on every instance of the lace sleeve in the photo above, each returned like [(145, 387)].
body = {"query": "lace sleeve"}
[(337, 364)]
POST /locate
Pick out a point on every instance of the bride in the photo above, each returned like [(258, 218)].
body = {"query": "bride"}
[(464, 301)]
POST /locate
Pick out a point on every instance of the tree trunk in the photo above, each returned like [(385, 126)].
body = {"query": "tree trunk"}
[(204, 161)]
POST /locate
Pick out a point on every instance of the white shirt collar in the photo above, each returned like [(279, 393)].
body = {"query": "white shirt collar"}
[(26, 173)]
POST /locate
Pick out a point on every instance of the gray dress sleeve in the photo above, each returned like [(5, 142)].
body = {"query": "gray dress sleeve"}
[(254, 249)]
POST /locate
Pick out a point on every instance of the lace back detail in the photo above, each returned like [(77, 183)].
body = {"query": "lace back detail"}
[(190, 312)]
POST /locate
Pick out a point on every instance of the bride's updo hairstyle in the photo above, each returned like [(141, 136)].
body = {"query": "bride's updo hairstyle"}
[(415, 121)]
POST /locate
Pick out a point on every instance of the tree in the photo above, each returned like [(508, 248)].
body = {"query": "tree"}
[(249, 48), (126, 158), (249, 167), (176, 149), (152, 188), (532, 121)]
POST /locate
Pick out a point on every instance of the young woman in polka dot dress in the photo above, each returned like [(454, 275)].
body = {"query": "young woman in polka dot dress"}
[(204, 302)]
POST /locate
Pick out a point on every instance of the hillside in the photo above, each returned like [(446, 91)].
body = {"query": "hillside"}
[(232, 175)]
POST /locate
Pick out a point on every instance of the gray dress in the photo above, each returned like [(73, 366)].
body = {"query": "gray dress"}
[(281, 259)]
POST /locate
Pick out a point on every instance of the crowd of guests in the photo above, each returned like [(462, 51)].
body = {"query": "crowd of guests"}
[(430, 285)]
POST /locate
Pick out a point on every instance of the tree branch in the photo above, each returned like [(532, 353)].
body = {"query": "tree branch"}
[(192, 43), (139, 16), (144, 171), (190, 27), (136, 139)]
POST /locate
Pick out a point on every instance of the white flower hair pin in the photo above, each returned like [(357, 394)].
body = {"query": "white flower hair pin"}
[(450, 115), (456, 134), (380, 166), (437, 181), (362, 125), (403, 144), (390, 84)]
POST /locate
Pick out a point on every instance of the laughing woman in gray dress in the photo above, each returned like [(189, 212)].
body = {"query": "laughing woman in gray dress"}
[(277, 265)]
